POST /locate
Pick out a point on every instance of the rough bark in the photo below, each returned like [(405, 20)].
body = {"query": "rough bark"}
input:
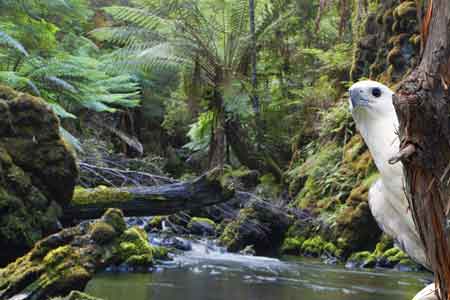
[(422, 105), (206, 190)]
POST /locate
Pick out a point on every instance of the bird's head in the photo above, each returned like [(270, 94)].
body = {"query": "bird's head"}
[(371, 97)]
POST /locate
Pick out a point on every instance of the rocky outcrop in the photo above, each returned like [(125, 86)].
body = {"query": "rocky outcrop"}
[(37, 172), (261, 225), (67, 260)]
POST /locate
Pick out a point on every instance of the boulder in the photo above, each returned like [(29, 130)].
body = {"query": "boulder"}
[(202, 226), (260, 224), (37, 172), (67, 260)]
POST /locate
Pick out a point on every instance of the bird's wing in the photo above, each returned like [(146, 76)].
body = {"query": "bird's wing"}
[(395, 223)]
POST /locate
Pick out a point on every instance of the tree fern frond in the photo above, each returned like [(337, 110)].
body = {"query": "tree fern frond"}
[(74, 142), (19, 82), (60, 111), (137, 16), (8, 41), (60, 84)]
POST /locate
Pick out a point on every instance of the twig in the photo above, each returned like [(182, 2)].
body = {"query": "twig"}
[(403, 154)]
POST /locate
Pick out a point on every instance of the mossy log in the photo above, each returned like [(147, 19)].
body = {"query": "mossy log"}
[(67, 260), (206, 190)]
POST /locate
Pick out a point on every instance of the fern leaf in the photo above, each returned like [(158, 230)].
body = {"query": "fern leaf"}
[(8, 41)]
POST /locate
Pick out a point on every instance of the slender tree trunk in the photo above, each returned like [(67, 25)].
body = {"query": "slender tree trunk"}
[(422, 104), (217, 144), (253, 58)]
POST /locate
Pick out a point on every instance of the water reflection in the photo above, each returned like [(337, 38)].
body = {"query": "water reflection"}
[(246, 278)]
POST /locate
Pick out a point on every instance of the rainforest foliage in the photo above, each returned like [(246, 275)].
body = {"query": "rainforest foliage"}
[(252, 87)]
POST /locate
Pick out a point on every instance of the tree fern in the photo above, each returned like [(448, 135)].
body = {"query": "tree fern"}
[(8, 41)]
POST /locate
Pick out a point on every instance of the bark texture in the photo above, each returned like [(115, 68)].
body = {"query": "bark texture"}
[(422, 105)]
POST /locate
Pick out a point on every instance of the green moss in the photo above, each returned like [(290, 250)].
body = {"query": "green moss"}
[(133, 248), (58, 255), (407, 8), (160, 253), (140, 260), (156, 222), (102, 232), (101, 195), (292, 245), (201, 220), (7, 93), (229, 234), (395, 57), (67, 260), (115, 218), (360, 256), (313, 246), (364, 259), (383, 245), (395, 255)]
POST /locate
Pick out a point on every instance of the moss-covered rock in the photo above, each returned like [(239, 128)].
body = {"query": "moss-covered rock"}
[(259, 224), (67, 260), (155, 223), (103, 233), (37, 172), (364, 259), (202, 226), (292, 245)]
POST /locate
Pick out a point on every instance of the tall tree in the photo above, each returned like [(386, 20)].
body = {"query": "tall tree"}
[(208, 39), (253, 58), (422, 103)]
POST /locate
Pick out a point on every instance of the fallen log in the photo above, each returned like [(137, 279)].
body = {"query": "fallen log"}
[(206, 190)]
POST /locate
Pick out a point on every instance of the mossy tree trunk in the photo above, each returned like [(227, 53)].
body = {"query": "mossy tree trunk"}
[(206, 190), (422, 104)]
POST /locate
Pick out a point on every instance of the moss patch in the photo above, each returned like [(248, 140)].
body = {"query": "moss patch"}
[(99, 195)]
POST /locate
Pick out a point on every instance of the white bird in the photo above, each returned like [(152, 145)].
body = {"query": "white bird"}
[(374, 114)]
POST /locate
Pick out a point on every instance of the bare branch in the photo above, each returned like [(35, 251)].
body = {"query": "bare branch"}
[(403, 154)]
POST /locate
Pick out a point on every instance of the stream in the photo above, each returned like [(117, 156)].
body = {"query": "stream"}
[(205, 274)]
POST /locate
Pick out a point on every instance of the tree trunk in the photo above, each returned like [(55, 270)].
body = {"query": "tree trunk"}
[(207, 190), (217, 145), (253, 58), (422, 105)]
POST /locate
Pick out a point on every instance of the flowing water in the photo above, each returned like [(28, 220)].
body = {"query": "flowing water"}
[(202, 274)]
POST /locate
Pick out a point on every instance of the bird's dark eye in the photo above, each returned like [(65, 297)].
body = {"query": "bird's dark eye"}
[(376, 92)]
